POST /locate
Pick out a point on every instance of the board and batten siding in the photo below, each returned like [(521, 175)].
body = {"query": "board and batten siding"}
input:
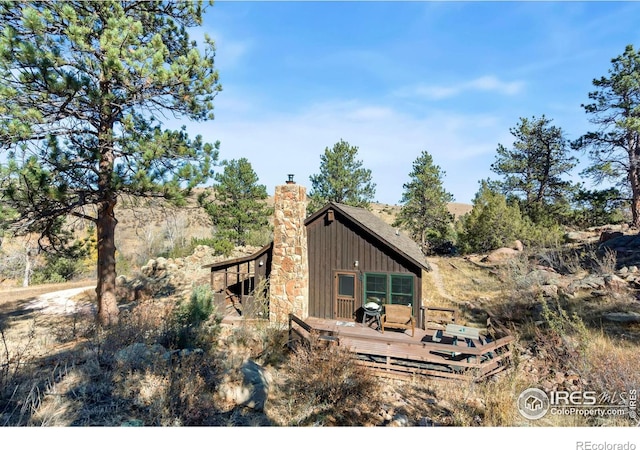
[(335, 245)]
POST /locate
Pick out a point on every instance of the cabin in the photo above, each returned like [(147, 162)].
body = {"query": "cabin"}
[(355, 258), (343, 276), (327, 265)]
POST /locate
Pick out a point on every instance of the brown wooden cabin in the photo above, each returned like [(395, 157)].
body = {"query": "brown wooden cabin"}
[(355, 256)]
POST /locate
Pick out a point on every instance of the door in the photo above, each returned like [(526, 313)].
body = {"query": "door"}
[(344, 294)]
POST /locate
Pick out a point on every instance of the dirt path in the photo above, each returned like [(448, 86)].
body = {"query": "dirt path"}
[(437, 280), (25, 293), (61, 298), (67, 301)]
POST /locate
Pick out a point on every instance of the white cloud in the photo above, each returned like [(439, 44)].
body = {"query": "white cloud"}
[(482, 84), (388, 142)]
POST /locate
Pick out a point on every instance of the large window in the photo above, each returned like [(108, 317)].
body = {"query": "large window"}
[(375, 288), (389, 288), (401, 289)]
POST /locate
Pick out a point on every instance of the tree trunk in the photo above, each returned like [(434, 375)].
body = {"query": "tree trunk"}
[(27, 266), (106, 288), (106, 220), (634, 181), (635, 200)]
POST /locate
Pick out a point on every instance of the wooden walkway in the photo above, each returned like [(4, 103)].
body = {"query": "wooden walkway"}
[(396, 353)]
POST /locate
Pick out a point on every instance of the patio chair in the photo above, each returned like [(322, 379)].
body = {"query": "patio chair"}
[(398, 316)]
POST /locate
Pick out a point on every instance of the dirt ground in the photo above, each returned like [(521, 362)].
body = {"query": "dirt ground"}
[(25, 293)]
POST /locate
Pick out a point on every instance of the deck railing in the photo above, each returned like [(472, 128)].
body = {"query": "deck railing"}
[(392, 356)]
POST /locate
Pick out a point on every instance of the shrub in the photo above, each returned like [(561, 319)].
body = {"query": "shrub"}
[(188, 328), (57, 269), (223, 247), (491, 224), (200, 306), (328, 387)]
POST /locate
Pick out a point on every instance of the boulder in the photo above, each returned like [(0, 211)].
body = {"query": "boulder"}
[(579, 236), (623, 243), (500, 255), (543, 277), (518, 245), (253, 391), (140, 356), (623, 317), (607, 235), (549, 290)]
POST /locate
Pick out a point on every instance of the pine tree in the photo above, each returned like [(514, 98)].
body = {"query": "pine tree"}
[(424, 211), (533, 169), (239, 206), (84, 87), (342, 179), (615, 147)]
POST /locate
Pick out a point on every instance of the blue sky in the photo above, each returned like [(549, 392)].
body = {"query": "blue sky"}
[(397, 78)]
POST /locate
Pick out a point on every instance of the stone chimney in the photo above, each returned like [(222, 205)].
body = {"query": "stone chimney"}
[(289, 280)]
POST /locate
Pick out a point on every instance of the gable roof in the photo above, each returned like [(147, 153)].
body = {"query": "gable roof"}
[(379, 229)]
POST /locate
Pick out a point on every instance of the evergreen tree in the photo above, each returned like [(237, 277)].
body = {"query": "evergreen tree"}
[(491, 224), (239, 206), (615, 109), (598, 207), (84, 86), (533, 169), (424, 211), (342, 179)]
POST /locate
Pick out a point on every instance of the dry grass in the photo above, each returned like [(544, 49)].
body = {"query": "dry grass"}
[(325, 387)]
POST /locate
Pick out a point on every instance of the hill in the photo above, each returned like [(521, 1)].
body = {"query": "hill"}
[(148, 228)]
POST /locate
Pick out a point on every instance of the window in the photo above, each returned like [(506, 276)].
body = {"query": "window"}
[(346, 285), (401, 289), (375, 288), (389, 288)]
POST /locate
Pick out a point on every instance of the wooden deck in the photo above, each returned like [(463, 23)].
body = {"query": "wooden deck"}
[(396, 353)]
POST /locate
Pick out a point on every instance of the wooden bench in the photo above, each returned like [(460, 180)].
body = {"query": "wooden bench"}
[(398, 316)]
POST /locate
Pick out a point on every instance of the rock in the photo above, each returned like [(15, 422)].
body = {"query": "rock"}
[(256, 381), (578, 236), (623, 317), (161, 264), (607, 235), (501, 255), (426, 422), (543, 277), (399, 420), (623, 243), (614, 282), (588, 282), (549, 290)]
